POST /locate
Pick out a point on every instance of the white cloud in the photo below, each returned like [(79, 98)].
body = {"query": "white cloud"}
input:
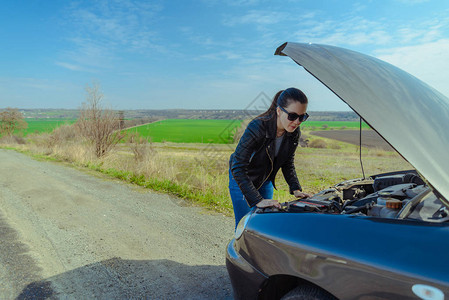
[(199, 38), (228, 55), (243, 2), (69, 66), (240, 84), (423, 32), (411, 2), (257, 17), (238, 3), (429, 62), (422, 46), (87, 55), (360, 31), (102, 30), (111, 28), (352, 31), (116, 27)]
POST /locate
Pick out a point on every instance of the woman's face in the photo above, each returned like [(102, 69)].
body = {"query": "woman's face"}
[(294, 107)]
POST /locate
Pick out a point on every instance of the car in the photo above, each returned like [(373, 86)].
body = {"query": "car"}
[(384, 236)]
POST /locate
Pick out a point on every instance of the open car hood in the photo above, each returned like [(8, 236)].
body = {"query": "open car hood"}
[(409, 114)]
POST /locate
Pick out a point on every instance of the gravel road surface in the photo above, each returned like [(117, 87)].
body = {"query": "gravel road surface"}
[(67, 234)]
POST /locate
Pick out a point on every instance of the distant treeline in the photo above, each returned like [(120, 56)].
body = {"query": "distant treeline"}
[(146, 115)]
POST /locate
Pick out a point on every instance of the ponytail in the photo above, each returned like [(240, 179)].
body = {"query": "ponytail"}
[(272, 109)]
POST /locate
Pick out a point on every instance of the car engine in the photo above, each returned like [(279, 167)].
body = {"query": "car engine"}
[(397, 195)]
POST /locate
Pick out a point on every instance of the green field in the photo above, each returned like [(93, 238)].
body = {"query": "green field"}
[(325, 125), (189, 131), (215, 131), (45, 125)]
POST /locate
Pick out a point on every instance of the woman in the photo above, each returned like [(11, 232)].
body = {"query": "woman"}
[(268, 144)]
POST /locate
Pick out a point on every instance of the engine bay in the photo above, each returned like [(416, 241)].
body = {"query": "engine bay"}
[(396, 195)]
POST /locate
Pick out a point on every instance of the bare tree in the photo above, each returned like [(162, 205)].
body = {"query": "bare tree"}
[(11, 119), (98, 125)]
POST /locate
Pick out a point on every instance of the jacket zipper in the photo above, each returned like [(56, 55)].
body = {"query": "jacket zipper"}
[(266, 150)]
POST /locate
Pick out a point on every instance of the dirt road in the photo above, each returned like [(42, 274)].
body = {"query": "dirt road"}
[(68, 234)]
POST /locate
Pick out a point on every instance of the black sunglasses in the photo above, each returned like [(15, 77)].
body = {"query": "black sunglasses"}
[(294, 116)]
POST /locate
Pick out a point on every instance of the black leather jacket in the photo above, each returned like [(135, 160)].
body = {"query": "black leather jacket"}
[(253, 161)]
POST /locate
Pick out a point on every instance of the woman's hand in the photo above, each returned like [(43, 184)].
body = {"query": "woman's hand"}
[(299, 194), (268, 203)]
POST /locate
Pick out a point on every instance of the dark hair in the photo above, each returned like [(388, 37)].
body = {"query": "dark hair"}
[(284, 98)]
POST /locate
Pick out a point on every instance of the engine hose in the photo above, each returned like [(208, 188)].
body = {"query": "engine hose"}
[(360, 208)]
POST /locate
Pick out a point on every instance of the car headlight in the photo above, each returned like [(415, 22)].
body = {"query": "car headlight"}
[(241, 226)]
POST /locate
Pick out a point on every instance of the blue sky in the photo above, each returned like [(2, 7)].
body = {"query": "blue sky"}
[(203, 54)]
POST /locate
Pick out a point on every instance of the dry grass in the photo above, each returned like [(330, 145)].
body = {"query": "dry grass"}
[(200, 171), (240, 130), (13, 139), (140, 147), (317, 143)]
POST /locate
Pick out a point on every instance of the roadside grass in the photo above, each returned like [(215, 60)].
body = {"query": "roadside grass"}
[(199, 172), (185, 174)]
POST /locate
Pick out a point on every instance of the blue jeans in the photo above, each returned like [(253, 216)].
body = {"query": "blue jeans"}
[(239, 203)]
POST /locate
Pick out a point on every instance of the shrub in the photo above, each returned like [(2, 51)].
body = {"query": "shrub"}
[(140, 147), (40, 139), (318, 143), (62, 134), (58, 137), (11, 120), (19, 140)]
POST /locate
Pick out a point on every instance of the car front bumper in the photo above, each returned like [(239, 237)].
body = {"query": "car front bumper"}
[(246, 280)]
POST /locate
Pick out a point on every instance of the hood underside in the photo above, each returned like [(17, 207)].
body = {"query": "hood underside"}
[(410, 115)]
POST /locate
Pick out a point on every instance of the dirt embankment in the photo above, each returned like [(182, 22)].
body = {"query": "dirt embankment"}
[(370, 138), (65, 233)]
